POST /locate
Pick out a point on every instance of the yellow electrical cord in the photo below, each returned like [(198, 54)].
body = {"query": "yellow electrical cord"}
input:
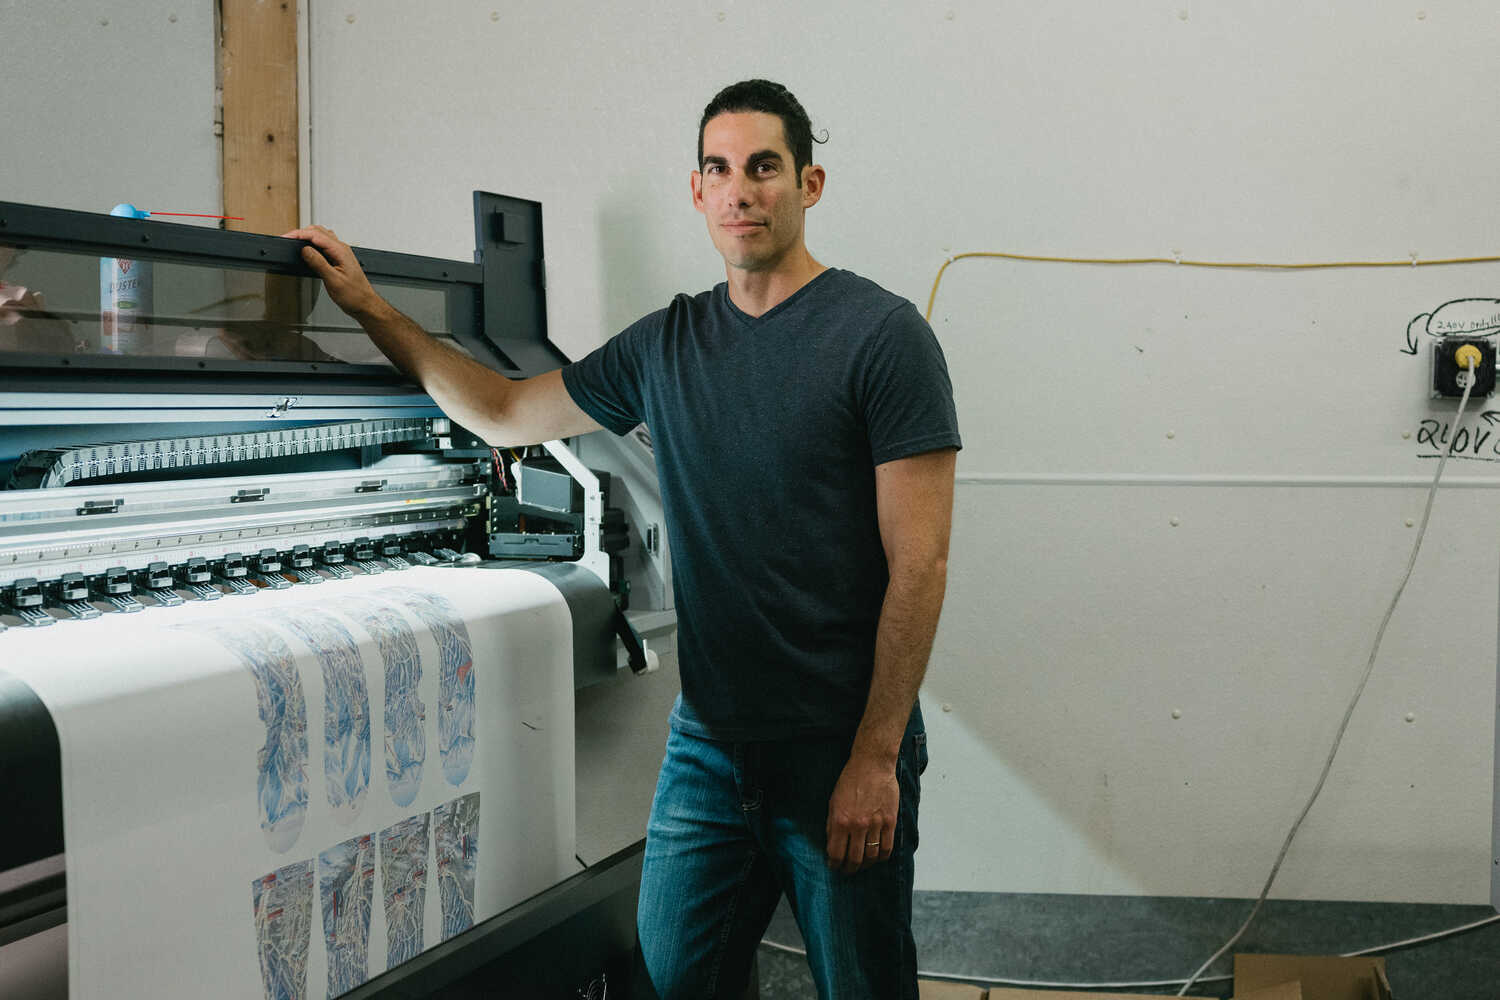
[(1247, 265)]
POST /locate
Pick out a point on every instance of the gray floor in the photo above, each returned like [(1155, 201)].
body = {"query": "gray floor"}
[(1085, 939)]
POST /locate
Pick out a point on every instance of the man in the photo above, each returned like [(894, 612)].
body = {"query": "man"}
[(805, 434)]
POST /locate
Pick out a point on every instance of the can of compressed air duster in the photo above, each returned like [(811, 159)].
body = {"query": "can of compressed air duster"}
[(125, 298)]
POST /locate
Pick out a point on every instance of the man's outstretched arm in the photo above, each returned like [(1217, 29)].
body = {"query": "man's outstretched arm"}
[(915, 505), (500, 410)]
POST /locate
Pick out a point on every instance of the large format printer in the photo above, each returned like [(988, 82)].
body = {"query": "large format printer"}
[(190, 430)]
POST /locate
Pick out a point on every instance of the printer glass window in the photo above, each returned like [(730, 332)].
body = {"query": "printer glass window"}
[(57, 304)]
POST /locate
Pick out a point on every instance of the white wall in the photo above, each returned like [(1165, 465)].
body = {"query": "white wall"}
[(105, 102), (1094, 400)]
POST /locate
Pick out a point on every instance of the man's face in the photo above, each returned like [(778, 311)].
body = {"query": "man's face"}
[(747, 190)]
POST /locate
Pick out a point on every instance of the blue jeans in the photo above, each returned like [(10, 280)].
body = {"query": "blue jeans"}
[(733, 827)]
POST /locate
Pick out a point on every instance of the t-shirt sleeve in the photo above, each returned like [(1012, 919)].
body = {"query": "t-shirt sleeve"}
[(607, 384), (906, 392)]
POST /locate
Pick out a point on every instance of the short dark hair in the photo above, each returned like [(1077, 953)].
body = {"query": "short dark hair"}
[(773, 99)]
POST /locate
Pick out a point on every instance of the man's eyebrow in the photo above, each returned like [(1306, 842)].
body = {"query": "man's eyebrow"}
[(760, 156)]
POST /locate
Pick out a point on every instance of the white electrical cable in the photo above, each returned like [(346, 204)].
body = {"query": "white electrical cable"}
[(960, 977), (1358, 693), (1424, 939)]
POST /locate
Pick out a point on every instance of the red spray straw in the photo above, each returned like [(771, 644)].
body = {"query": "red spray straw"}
[(200, 215)]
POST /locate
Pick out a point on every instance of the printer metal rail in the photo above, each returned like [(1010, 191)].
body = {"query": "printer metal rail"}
[(51, 467)]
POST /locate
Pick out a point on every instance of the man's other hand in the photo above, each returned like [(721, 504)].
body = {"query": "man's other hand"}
[(331, 259), (862, 814)]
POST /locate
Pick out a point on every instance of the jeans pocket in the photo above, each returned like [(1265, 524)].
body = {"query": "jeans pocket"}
[(919, 750)]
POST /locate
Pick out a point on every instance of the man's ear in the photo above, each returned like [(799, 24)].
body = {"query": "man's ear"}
[(813, 177), (696, 179)]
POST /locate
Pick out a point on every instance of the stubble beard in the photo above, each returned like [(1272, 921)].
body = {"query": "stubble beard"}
[(753, 259)]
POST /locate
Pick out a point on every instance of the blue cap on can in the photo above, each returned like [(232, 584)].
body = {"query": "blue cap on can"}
[(129, 211)]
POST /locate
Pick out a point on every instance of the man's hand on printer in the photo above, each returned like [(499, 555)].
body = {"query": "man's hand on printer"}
[(332, 260)]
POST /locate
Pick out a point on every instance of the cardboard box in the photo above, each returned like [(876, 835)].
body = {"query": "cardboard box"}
[(1317, 977), (1286, 991)]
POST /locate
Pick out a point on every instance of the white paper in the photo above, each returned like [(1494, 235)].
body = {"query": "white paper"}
[(252, 786)]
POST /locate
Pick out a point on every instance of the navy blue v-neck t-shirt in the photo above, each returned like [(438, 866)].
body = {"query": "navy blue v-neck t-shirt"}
[(767, 431)]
